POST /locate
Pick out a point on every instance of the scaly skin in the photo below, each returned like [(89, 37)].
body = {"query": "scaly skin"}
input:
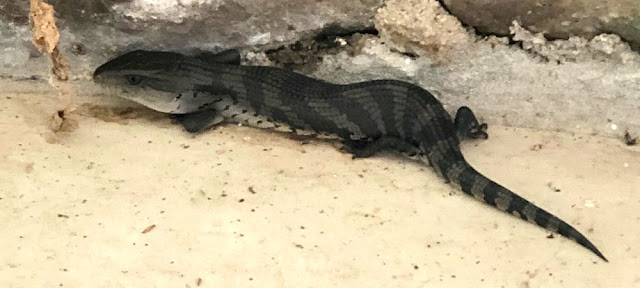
[(369, 116)]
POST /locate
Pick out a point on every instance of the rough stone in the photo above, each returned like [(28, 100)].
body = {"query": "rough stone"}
[(430, 28), (101, 29), (556, 19)]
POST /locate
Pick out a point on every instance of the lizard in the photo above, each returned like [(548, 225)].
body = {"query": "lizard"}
[(206, 89)]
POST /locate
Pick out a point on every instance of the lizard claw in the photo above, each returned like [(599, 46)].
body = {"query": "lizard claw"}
[(478, 131)]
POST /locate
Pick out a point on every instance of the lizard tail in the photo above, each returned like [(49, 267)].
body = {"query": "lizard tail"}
[(482, 188)]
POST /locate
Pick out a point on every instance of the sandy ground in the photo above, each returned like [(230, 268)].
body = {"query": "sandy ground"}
[(131, 200)]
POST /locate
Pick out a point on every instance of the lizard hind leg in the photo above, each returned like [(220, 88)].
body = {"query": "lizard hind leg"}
[(467, 126), (365, 148)]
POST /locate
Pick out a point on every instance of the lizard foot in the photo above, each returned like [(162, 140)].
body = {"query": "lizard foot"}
[(467, 126), (364, 148)]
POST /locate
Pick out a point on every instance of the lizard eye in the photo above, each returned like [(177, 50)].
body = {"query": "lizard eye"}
[(134, 79)]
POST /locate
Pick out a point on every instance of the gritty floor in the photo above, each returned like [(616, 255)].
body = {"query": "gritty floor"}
[(129, 199)]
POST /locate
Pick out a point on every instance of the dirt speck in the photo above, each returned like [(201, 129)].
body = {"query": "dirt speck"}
[(629, 140), (148, 229), (29, 167), (536, 147)]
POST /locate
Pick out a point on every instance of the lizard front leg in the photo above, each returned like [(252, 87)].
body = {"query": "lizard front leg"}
[(467, 126), (199, 121)]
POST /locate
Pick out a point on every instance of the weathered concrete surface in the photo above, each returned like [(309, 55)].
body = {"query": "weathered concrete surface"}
[(131, 200), (557, 19)]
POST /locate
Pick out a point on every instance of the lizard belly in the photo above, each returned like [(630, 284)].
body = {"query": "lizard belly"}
[(244, 114)]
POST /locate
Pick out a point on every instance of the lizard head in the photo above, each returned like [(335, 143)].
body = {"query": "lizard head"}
[(149, 78)]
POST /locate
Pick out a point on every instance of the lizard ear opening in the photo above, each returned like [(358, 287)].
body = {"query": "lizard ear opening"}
[(231, 57)]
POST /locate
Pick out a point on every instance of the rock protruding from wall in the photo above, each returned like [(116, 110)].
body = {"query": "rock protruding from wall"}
[(422, 26)]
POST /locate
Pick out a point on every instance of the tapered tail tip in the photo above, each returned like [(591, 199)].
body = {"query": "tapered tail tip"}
[(601, 256)]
